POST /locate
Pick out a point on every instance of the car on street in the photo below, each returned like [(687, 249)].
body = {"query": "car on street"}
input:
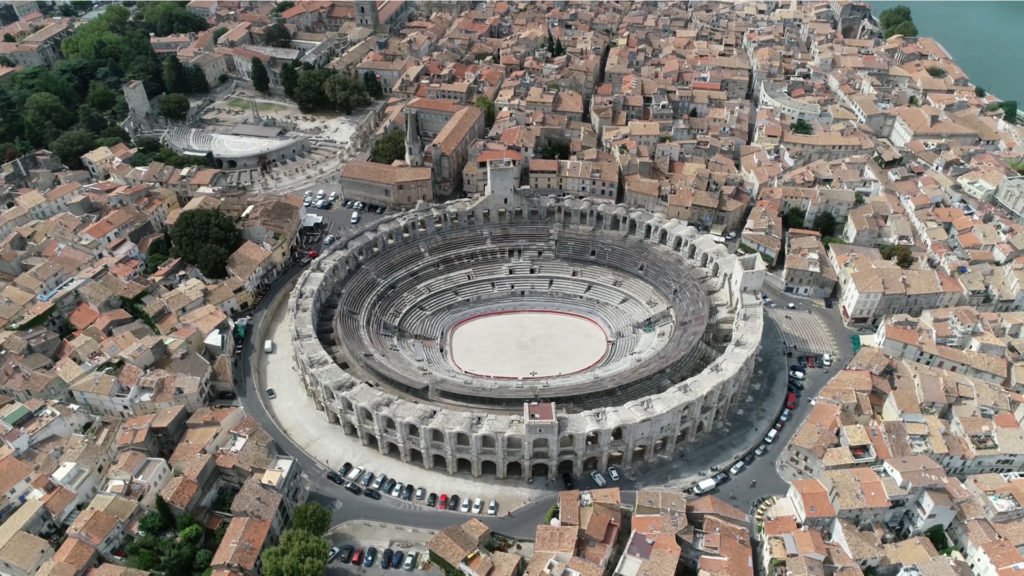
[(345, 468), (396, 559), (442, 502), (791, 306), (464, 507), (796, 367), (380, 210), (333, 195), (358, 206), (367, 479), (748, 459), (271, 394), (598, 479), (388, 486), (567, 481), (771, 436), (334, 477), (791, 400), (761, 450), (397, 490), (453, 502), (354, 219), (737, 468), (346, 554), (492, 507), (410, 562), (478, 506), (379, 481), (348, 204), (421, 493), (329, 239), (319, 193), (371, 555), (786, 414), (307, 202), (432, 500), (779, 424), (371, 493), (721, 478), (353, 488), (385, 558), (797, 375), (333, 553), (357, 556), (355, 473), (796, 384), (407, 492), (613, 473), (730, 236), (826, 360)]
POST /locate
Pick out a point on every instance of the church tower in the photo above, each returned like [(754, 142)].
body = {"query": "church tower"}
[(413, 144), (366, 14)]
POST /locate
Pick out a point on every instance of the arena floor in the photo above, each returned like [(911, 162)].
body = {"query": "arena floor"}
[(527, 344)]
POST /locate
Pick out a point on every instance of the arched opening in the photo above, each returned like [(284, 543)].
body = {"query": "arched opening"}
[(464, 465), (389, 424), (647, 231), (590, 463), (489, 468), (638, 452), (704, 259), (539, 470), (615, 458), (488, 442), (436, 435), (599, 221), (412, 431), (461, 439), (391, 449), (592, 438), (513, 443), (565, 467), (683, 436), (415, 457), (514, 470), (438, 461), (677, 244), (541, 444), (632, 227), (348, 428), (617, 433), (663, 237), (691, 251), (700, 427), (365, 416), (371, 442), (715, 269), (566, 441), (615, 224), (661, 444)]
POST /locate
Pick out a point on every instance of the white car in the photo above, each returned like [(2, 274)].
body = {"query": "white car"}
[(421, 493), (478, 506), (785, 415), (791, 306), (492, 507), (333, 554), (598, 479), (333, 196), (329, 239), (319, 194), (796, 374), (730, 236), (307, 202), (354, 219), (771, 436), (613, 473), (826, 360), (396, 492), (464, 507), (737, 468)]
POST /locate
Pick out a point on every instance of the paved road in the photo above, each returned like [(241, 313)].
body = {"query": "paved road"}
[(522, 522)]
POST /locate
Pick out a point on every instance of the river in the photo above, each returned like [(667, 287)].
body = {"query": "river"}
[(983, 37)]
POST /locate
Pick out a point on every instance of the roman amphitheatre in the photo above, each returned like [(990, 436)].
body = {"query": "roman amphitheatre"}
[(514, 336)]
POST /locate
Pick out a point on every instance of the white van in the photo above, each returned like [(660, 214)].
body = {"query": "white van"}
[(355, 218), (705, 486), (268, 346), (826, 359), (771, 436)]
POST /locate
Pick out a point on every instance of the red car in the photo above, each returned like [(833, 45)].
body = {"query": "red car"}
[(791, 401), (442, 502), (357, 557)]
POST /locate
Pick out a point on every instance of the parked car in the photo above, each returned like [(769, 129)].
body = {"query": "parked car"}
[(720, 478), (453, 502), (379, 481), (730, 236), (388, 486), (354, 219), (345, 468), (464, 507), (772, 434), (357, 556), (567, 481), (355, 473), (796, 384), (319, 193), (826, 360), (367, 479), (396, 492), (761, 450), (737, 468), (349, 203), (371, 493), (380, 210), (791, 306), (791, 399), (613, 473), (385, 558), (442, 502), (307, 202), (492, 507), (396, 559), (407, 492), (432, 500), (329, 239), (785, 414), (346, 554), (779, 424), (335, 477), (371, 555), (353, 488), (478, 506), (410, 562), (333, 195), (598, 479), (797, 375), (333, 553), (421, 493), (748, 459), (271, 394)]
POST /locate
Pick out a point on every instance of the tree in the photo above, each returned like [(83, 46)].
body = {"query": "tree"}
[(1009, 110), (8, 37), (793, 218), (802, 126), (372, 84), (858, 199), (312, 518), (551, 42), (936, 71), (559, 50), (197, 82), (282, 6), (693, 113), (174, 106), (173, 74), (192, 534), (980, 92), (164, 509), (70, 146), (152, 523), (260, 78), (389, 148), (205, 239), (218, 33), (914, 101), (277, 35), (101, 97), (490, 112), (299, 554), (202, 560), (897, 20), (904, 257), (825, 224), (166, 18), (289, 79), (309, 89), (1017, 165), (556, 149)]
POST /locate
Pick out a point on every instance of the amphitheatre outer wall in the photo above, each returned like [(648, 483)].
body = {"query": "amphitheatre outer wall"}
[(543, 440)]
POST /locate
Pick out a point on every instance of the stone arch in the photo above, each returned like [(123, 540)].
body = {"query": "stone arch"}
[(599, 220), (590, 463), (514, 470), (593, 438), (662, 444), (700, 427), (461, 439), (647, 231), (639, 451), (488, 441), (415, 456), (371, 442), (566, 467), (438, 461), (704, 260), (539, 470), (514, 443), (388, 422), (683, 436), (541, 444), (617, 433), (412, 431), (391, 449), (488, 467), (615, 458), (365, 415), (691, 250), (715, 269), (436, 435), (632, 227), (348, 428), (615, 224), (677, 244), (463, 465), (663, 236), (566, 441)]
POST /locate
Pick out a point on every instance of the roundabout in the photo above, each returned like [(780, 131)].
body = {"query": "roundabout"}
[(527, 337)]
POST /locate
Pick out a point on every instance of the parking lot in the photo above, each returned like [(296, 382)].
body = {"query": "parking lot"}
[(363, 535), (337, 219)]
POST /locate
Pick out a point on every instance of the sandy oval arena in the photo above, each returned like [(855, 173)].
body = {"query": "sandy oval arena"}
[(527, 344)]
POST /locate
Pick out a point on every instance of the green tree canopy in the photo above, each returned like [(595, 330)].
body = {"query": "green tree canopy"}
[(897, 20), (282, 6), (936, 71), (260, 78), (298, 554), (490, 112), (389, 148), (825, 223), (174, 106), (793, 218), (555, 149), (277, 35), (312, 518), (101, 97), (858, 199), (903, 255), (166, 18), (289, 79), (802, 126), (70, 146), (152, 523), (980, 92), (372, 84), (206, 239)]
